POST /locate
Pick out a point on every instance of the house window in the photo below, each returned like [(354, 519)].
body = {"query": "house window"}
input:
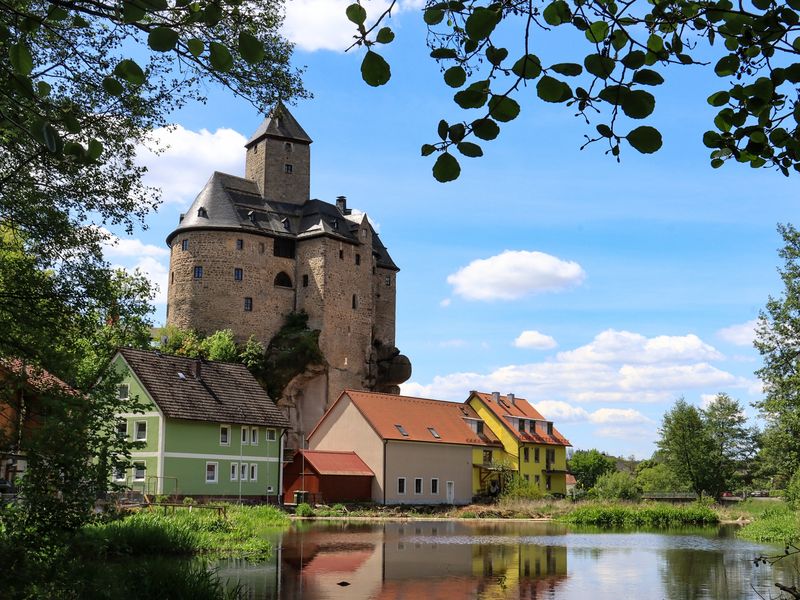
[(527, 477), (238, 274), (254, 436), (119, 474), (224, 435), (358, 259), (434, 433), (287, 147), (234, 471), (184, 244), (418, 485), (287, 168), (283, 280), (434, 486), (479, 427), (198, 272), (140, 431), (549, 428), (355, 301), (487, 457), (248, 304), (122, 429), (536, 455), (547, 482), (253, 472), (526, 454), (139, 471), (211, 472), (401, 485), (271, 435), (402, 430), (240, 244), (122, 391), (243, 472), (341, 254), (244, 435), (283, 248), (537, 480), (521, 425), (550, 457), (388, 281)]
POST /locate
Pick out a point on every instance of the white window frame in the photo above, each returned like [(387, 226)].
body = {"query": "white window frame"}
[(421, 486), (136, 468), (271, 435), (253, 471), (403, 479), (216, 472), (136, 437), (117, 472), (434, 488), (228, 443), (254, 436), (234, 471), (245, 435), (243, 471), (120, 424)]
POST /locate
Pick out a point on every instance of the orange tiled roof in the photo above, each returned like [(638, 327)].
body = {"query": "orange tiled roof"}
[(328, 462), (35, 376), (416, 415), (520, 408)]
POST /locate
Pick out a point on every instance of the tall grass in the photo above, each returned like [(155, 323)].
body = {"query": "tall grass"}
[(640, 515), (777, 524)]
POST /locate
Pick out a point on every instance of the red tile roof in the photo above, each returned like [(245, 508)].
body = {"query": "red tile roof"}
[(417, 416), (35, 376), (327, 462), (520, 408)]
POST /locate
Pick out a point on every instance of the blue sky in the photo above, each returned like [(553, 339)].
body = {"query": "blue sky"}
[(599, 291)]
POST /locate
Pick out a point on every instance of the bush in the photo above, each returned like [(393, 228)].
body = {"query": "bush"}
[(616, 486), (641, 515), (188, 501), (776, 524), (792, 494), (304, 510), (517, 488)]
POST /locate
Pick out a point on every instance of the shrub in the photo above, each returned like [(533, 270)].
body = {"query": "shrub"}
[(616, 486), (642, 515), (189, 501), (776, 524), (777, 493), (304, 510), (792, 494), (517, 488)]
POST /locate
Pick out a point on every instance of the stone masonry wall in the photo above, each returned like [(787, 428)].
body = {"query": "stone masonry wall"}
[(266, 164)]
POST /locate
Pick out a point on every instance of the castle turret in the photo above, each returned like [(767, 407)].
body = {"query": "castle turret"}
[(279, 158)]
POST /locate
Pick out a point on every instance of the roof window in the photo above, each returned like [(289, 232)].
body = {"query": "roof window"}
[(402, 430), (181, 375), (434, 433), (287, 225), (202, 212)]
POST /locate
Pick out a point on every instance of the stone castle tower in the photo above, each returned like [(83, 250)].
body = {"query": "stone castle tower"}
[(251, 250)]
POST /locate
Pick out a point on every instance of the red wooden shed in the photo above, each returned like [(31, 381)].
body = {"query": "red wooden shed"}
[(328, 476)]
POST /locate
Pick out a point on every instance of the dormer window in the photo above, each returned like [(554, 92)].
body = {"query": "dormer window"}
[(402, 430), (335, 224), (549, 428), (202, 212), (287, 225)]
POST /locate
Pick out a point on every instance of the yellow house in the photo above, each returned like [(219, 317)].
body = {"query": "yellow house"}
[(532, 446)]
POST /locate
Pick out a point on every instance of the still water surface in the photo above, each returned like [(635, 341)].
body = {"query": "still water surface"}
[(437, 560)]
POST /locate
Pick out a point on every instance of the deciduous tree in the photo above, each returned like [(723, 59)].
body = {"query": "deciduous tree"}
[(588, 465)]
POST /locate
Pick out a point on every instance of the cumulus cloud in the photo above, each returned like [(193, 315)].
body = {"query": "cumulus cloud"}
[(445, 302), (322, 25), (533, 339), (612, 346), (116, 247), (154, 270), (514, 274), (617, 416), (739, 335), (179, 161)]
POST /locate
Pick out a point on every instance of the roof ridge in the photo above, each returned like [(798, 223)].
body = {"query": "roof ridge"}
[(453, 402)]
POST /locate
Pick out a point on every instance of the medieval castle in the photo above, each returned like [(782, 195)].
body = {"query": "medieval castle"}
[(251, 250)]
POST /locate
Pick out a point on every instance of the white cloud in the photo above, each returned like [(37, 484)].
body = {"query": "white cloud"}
[(617, 416), (739, 335), (625, 433), (534, 339), (445, 303), (612, 346), (155, 271), (453, 343), (706, 399), (561, 412), (130, 247), (514, 274), (322, 25), (188, 158)]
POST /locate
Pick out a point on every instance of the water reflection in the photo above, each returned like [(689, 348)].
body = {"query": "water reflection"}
[(477, 560)]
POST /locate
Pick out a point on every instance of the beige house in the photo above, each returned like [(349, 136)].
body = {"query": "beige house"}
[(420, 450)]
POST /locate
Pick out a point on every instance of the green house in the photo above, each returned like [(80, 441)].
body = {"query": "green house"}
[(208, 428)]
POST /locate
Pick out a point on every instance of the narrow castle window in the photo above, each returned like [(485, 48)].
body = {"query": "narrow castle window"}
[(283, 280), (341, 254), (240, 244), (287, 168), (358, 259), (248, 304), (288, 147), (388, 281), (238, 274), (261, 247), (255, 149), (198, 272), (172, 277), (185, 245), (355, 302), (305, 280)]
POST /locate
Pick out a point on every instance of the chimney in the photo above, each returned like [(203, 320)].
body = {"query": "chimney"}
[(196, 368), (496, 397), (341, 204), (511, 399)]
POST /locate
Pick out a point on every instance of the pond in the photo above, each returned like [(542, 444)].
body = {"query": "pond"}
[(451, 560)]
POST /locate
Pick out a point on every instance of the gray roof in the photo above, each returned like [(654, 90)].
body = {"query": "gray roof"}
[(220, 393), (280, 123), (231, 203)]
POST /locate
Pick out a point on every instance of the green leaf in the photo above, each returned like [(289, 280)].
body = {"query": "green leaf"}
[(503, 108), (485, 129), (20, 56), (132, 12), (604, 130), (648, 77), (56, 13), (356, 14), (597, 32), (443, 129), (655, 43), (557, 13), (568, 69), (455, 77), (112, 86), (634, 60), (385, 35), (251, 48), (43, 89), (220, 57), (162, 39), (51, 137), (433, 16), (796, 44), (481, 23), (456, 132), (95, 149), (614, 94), (553, 90), (130, 71), (469, 149), (195, 46), (471, 97), (446, 168), (638, 104), (719, 98), (527, 67), (599, 66), (496, 55), (428, 149), (727, 65), (645, 139), (439, 53), (375, 70), (711, 139)]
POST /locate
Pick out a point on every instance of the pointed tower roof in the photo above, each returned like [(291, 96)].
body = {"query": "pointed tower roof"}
[(279, 123)]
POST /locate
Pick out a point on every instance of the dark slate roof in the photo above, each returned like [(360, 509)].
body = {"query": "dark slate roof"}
[(234, 203), (280, 123), (222, 393)]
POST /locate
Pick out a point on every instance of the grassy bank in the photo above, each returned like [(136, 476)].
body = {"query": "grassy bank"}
[(640, 515), (779, 524)]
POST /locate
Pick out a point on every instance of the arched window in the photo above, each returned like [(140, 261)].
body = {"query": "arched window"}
[(283, 280)]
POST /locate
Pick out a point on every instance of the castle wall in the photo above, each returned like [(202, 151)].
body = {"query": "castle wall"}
[(384, 286), (281, 169), (217, 300)]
